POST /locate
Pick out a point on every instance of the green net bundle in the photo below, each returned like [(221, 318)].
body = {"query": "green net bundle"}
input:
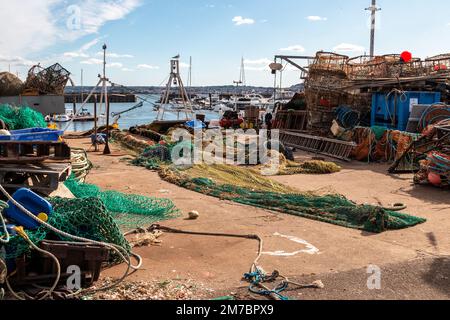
[(334, 209), (17, 118), (87, 218), (128, 210)]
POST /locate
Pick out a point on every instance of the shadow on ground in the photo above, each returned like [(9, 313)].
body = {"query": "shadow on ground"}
[(438, 275)]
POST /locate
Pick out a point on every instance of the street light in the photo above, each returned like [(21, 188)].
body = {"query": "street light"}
[(237, 83)]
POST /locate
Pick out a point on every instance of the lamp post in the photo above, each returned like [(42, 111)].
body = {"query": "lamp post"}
[(237, 83)]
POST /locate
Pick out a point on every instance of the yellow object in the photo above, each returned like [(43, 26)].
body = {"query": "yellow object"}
[(43, 217), (52, 126), (21, 232), (115, 126)]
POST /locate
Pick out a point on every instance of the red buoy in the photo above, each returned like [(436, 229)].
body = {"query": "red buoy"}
[(406, 56), (434, 179)]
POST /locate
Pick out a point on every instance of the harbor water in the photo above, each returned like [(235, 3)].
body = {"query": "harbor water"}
[(140, 116)]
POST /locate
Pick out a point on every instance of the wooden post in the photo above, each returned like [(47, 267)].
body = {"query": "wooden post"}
[(107, 150), (95, 124), (74, 102)]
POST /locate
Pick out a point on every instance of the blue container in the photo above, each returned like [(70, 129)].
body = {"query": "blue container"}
[(34, 134), (31, 201), (195, 124), (393, 112)]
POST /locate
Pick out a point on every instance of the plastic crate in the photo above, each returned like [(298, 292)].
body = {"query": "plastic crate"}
[(89, 258), (39, 269), (33, 134)]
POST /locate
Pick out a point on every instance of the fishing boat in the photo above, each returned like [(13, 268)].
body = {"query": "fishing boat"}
[(84, 116), (61, 118)]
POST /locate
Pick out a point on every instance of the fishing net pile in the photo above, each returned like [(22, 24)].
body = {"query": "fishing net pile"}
[(245, 184), (380, 144), (17, 118), (96, 215), (128, 210), (86, 218), (254, 190)]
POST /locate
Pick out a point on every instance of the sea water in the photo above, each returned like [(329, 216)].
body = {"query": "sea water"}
[(144, 115)]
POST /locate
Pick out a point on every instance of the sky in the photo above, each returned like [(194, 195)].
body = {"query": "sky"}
[(142, 35)]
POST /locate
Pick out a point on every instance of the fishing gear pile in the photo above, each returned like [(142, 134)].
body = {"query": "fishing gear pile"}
[(260, 192), (17, 118)]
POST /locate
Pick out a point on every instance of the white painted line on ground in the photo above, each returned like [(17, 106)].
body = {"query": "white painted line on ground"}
[(310, 249)]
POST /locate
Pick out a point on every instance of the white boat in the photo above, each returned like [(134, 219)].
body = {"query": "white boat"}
[(221, 108), (61, 118)]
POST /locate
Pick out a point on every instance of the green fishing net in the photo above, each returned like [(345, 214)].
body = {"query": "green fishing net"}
[(21, 117), (95, 215), (128, 210), (87, 218), (334, 209)]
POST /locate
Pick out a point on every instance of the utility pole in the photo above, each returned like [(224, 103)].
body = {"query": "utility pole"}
[(373, 9)]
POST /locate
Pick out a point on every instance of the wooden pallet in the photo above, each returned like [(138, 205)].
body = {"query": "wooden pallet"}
[(33, 151), (329, 147), (44, 177)]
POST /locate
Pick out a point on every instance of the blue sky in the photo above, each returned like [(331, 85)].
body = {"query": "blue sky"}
[(142, 35)]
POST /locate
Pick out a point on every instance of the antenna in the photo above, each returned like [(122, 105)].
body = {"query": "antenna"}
[(373, 10), (190, 72), (82, 87)]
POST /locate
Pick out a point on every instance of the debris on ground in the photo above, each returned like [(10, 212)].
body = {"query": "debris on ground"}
[(144, 290), (145, 239)]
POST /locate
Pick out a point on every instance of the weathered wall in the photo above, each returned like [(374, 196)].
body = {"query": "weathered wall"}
[(48, 104)]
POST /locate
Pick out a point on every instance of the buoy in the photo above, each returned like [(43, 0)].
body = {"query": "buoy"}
[(406, 56), (194, 215), (43, 216), (5, 133), (434, 179)]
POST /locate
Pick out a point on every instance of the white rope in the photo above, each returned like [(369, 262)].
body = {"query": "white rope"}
[(125, 257), (55, 283)]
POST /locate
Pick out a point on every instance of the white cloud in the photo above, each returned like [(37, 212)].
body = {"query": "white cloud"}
[(115, 65), (127, 70), (147, 66), (92, 61), (16, 61), (115, 55), (257, 64), (316, 18), (239, 20), (296, 48), (34, 25), (96, 13), (348, 47), (75, 54), (263, 61), (89, 44)]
